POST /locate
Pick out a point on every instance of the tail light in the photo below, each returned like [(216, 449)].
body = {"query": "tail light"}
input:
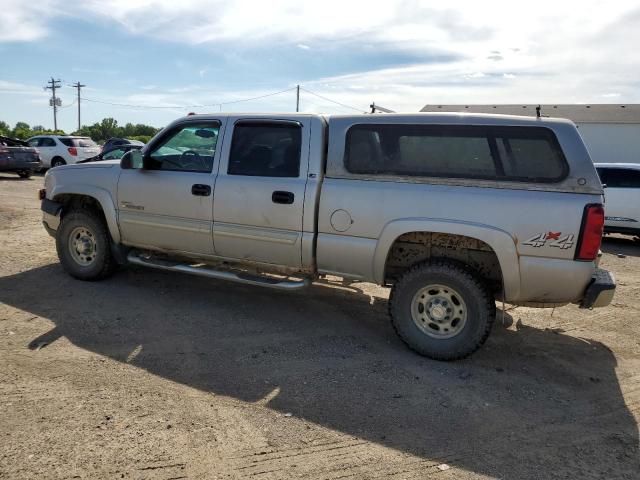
[(73, 151), (590, 232)]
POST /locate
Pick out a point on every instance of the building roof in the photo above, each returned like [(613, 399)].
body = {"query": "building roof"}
[(587, 113)]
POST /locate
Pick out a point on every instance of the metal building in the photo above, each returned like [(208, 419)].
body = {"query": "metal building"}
[(611, 132)]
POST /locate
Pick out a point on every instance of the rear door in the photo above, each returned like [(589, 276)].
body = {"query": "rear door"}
[(259, 197), (622, 197), (47, 148)]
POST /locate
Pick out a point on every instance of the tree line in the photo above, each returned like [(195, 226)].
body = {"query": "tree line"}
[(99, 131)]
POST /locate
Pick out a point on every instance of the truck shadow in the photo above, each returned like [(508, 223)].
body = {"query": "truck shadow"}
[(531, 404)]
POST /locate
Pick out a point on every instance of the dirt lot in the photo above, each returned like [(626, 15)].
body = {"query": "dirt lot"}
[(160, 376)]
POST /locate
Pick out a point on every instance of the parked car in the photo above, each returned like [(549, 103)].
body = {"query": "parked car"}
[(622, 197), (115, 153), (18, 157), (56, 150), (112, 142), (451, 211)]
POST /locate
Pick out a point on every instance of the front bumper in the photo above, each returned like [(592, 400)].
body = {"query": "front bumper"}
[(50, 215), (600, 291)]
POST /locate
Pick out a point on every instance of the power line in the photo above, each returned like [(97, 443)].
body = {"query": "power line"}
[(188, 106), (330, 100)]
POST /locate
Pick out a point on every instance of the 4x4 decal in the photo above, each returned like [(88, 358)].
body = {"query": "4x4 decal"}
[(551, 239)]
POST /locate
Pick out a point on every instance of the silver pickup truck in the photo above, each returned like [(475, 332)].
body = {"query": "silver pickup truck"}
[(453, 212)]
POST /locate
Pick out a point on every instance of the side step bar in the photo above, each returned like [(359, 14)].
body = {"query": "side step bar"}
[(206, 271)]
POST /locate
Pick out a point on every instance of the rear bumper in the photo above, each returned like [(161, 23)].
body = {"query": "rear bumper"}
[(600, 291), (12, 165)]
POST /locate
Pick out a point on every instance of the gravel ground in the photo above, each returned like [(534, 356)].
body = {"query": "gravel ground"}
[(161, 376)]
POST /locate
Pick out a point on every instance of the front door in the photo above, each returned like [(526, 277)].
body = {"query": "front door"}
[(260, 189), (168, 205)]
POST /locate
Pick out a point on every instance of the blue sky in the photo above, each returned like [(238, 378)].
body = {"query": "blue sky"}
[(401, 54)]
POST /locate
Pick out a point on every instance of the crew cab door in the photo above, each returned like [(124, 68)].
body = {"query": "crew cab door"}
[(168, 204), (622, 196), (259, 197)]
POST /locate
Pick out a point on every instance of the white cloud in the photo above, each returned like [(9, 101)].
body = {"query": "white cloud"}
[(493, 51), (24, 21)]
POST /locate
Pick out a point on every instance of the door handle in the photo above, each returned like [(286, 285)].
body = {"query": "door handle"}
[(201, 190), (286, 198)]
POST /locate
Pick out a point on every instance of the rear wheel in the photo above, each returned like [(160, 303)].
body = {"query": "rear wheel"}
[(441, 310), (24, 174), (84, 246), (57, 161)]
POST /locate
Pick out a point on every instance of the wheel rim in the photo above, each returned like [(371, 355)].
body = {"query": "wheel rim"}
[(439, 311), (83, 246)]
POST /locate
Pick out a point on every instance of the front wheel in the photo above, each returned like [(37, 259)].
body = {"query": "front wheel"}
[(84, 246), (441, 311), (24, 174)]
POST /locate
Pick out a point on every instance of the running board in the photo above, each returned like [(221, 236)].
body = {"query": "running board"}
[(206, 271)]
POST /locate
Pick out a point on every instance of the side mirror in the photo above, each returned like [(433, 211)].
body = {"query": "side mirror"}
[(133, 159)]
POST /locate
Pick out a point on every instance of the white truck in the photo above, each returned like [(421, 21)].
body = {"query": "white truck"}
[(450, 211)]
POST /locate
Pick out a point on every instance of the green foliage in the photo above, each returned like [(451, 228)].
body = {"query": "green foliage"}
[(100, 131), (108, 128), (5, 129)]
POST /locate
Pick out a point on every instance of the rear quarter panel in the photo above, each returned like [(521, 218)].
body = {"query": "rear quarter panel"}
[(533, 228)]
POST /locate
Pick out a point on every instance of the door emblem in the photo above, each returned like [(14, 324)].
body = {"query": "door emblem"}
[(131, 206)]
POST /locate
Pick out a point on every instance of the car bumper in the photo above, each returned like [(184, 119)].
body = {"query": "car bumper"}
[(19, 166), (50, 215), (600, 291)]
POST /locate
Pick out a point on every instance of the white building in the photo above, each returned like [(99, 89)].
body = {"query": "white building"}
[(611, 132)]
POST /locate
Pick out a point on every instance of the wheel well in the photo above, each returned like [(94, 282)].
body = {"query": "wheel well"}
[(73, 201), (58, 157), (414, 247)]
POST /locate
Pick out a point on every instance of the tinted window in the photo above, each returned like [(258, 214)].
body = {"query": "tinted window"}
[(46, 142), (265, 150), (187, 148), (619, 177), (77, 142), (509, 153)]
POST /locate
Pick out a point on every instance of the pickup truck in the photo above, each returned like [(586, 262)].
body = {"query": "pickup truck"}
[(453, 212)]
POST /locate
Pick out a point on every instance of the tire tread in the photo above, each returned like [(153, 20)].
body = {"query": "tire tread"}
[(463, 274)]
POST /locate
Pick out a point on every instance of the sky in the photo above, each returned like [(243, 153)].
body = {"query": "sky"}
[(161, 59)]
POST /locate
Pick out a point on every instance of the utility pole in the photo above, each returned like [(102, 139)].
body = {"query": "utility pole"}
[(297, 98), (52, 85), (78, 86)]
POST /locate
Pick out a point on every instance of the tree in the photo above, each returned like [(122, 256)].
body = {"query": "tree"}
[(5, 129), (22, 131)]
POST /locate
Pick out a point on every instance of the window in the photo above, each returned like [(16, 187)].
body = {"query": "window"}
[(33, 142), (456, 151), (264, 149), (114, 154), (188, 148), (46, 142), (619, 177), (77, 142)]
